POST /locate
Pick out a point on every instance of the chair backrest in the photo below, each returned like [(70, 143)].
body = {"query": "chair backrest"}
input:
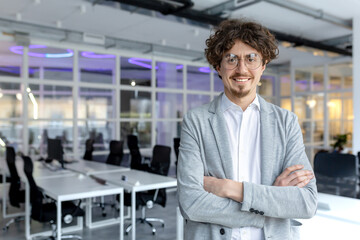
[(135, 154), (36, 196), (116, 153), (132, 142), (176, 148), (14, 190), (89, 148), (160, 162), (335, 164)]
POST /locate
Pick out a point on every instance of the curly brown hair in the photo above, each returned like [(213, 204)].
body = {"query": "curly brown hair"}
[(250, 33)]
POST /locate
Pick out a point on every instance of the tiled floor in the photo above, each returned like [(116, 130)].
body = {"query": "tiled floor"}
[(16, 230)]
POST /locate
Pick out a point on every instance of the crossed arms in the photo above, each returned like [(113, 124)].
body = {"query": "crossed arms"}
[(227, 188)]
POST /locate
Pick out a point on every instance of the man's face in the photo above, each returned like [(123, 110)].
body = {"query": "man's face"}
[(240, 72)]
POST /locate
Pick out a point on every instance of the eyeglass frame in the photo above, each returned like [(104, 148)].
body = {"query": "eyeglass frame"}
[(238, 60)]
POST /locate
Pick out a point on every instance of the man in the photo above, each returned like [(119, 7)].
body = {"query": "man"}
[(243, 172)]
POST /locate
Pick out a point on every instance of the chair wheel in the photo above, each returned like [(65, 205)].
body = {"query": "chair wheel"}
[(103, 214), (126, 233), (5, 228), (163, 225), (154, 233)]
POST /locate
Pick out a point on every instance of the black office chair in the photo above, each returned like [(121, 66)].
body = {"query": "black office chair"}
[(116, 153), (46, 212), (136, 158), (336, 173), (115, 157), (89, 148), (16, 195), (176, 150), (160, 164)]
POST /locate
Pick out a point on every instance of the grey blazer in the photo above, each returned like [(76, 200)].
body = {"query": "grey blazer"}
[(205, 151)]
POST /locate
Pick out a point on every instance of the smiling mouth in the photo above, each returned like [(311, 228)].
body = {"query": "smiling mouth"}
[(241, 79)]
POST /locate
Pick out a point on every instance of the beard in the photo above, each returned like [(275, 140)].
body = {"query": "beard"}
[(240, 92)]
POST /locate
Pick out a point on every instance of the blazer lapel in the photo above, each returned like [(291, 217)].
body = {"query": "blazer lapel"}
[(218, 126), (267, 129)]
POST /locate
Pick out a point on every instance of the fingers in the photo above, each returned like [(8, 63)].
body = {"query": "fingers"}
[(299, 174), (290, 169), (302, 179), (294, 176), (303, 183)]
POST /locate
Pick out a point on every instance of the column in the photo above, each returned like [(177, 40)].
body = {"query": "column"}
[(356, 84)]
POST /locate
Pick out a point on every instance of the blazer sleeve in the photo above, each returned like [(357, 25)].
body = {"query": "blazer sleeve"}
[(285, 202), (195, 203)]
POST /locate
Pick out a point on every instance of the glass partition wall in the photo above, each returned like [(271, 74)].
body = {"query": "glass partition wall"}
[(323, 103), (75, 94)]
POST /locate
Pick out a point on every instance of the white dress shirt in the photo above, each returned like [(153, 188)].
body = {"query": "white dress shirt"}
[(244, 131)]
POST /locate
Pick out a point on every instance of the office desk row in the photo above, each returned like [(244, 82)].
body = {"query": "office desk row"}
[(76, 182)]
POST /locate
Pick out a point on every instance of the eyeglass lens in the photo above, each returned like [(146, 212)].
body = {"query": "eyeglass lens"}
[(252, 61)]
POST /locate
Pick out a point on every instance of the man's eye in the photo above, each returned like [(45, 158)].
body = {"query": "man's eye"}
[(232, 60)]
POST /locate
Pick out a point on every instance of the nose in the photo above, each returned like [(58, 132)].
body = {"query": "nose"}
[(241, 67)]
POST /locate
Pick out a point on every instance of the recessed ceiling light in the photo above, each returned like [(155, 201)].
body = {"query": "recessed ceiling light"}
[(18, 16), (58, 24), (82, 9)]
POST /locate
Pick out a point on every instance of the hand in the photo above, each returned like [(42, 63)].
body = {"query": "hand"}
[(294, 176), (225, 188)]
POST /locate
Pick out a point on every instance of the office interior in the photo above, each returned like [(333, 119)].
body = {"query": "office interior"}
[(103, 70)]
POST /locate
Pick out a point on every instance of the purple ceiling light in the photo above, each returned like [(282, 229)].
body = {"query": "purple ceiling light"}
[(140, 62), (20, 50), (204, 69), (95, 55)]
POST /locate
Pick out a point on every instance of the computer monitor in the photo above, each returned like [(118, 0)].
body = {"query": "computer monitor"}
[(55, 151)]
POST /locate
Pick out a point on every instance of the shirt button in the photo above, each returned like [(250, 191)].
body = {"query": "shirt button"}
[(256, 211), (261, 213), (222, 231), (252, 210)]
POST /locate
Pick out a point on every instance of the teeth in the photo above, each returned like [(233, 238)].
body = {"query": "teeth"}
[(241, 80)]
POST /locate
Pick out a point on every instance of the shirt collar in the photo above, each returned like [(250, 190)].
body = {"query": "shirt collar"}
[(226, 104)]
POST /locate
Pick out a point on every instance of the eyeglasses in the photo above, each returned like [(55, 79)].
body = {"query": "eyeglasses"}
[(252, 61)]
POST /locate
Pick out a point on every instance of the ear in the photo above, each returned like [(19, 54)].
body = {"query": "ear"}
[(218, 70), (263, 67)]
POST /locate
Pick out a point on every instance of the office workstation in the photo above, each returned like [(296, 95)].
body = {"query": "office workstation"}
[(88, 76)]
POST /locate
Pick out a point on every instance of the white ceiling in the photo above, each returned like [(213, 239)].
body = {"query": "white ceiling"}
[(117, 23)]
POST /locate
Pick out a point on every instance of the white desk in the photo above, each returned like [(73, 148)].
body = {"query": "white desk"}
[(66, 188), (90, 167), (340, 221), (40, 171), (137, 181)]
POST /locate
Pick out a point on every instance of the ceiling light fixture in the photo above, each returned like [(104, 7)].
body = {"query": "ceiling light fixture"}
[(140, 62), (20, 49), (95, 55), (82, 9), (18, 16), (58, 24)]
